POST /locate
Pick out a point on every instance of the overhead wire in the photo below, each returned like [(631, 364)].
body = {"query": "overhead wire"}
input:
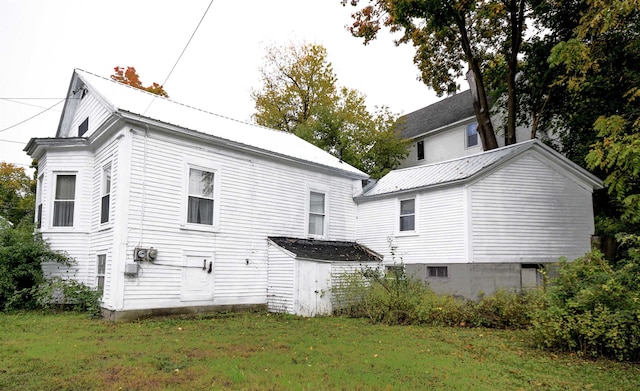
[(182, 53), (33, 116)]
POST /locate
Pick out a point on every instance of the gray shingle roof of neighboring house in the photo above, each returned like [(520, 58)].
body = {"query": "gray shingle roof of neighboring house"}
[(326, 250), (447, 111), (466, 168)]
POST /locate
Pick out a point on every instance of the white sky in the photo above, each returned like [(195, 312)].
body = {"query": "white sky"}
[(42, 41)]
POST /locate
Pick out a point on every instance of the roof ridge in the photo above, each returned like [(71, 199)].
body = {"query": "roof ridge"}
[(501, 149), (180, 103)]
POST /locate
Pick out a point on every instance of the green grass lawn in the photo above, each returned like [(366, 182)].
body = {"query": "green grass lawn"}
[(258, 351)]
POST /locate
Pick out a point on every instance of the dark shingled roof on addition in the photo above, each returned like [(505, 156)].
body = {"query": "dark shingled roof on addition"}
[(327, 250), (447, 111)]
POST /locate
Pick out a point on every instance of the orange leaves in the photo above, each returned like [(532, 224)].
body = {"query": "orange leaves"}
[(130, 77)]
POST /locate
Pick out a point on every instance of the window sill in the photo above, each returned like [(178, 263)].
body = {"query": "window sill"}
[(407, 233), (199, 228)]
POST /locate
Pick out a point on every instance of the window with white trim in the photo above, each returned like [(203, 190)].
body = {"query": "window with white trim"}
[(317, 213), (64, 202), (39, 202), (105, 201), (407, 215), (101, 267), (472, 135), (200, 199)]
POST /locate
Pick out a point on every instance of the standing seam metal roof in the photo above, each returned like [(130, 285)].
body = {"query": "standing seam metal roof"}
[(146, 105), (443, 172)]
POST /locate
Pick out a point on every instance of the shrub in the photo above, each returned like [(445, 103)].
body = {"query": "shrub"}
[(396, 298), (592, 309), (70, 294), (21, 255)]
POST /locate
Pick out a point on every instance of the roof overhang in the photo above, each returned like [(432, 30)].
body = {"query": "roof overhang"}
[(37, 146), (222, 142)]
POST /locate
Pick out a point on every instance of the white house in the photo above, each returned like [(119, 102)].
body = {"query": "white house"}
[(446, 130), (167, 208), (478, 223)]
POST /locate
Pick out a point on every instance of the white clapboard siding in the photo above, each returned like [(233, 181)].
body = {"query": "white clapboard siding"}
[(377, 224), (88, 107), (258, 197), (281, 282), (529, 212), (440, 220), (73, 241)]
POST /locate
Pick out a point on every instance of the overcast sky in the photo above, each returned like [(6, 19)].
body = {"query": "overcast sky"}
[(42, 41)]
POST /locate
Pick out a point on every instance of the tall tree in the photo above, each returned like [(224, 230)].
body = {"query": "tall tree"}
[(130, 77), (451, 36), (607, 49), (300, 95), (17, 196)]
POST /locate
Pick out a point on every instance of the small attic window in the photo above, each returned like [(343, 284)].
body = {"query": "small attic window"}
[(84, 126)]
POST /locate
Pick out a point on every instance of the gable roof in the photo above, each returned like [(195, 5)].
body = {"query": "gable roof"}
[(467, 168), (326, 250), (136, 104), (452, 109)]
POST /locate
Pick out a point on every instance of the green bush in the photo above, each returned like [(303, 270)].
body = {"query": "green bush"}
[(21, 255), (58, 293), (592, 309), (396, 298)]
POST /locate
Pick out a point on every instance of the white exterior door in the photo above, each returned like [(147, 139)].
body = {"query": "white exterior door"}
[(197, 278)]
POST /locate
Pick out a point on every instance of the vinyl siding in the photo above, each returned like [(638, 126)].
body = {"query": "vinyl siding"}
[(529, 212)]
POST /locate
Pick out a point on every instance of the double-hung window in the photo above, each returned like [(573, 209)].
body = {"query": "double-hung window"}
[(317, 211), (100, 272), (472, 135), (201, 197), (64, 203), (105, 201), (407, 215)]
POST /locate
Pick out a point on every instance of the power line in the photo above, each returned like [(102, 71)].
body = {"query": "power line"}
[(12, 141), (183, 50), (16, 100), (33, 116)]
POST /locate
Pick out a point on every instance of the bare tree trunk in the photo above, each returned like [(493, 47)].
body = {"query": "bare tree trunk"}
[(516, 13), (478, 92)]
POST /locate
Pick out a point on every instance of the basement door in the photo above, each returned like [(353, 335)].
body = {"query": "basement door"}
[(197, 278)]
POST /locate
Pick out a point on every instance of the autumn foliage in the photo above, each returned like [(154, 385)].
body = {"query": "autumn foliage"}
[(130, 77)]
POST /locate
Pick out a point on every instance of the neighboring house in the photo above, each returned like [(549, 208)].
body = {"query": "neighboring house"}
[(478, 223), (168, 208), (446, 130)]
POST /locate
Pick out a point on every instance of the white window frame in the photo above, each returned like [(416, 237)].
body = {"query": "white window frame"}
[(325, 226), (101, 274), (414, 231), (105, 191), (39, 207), (467, 135), (53, 200), (202, 165)]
